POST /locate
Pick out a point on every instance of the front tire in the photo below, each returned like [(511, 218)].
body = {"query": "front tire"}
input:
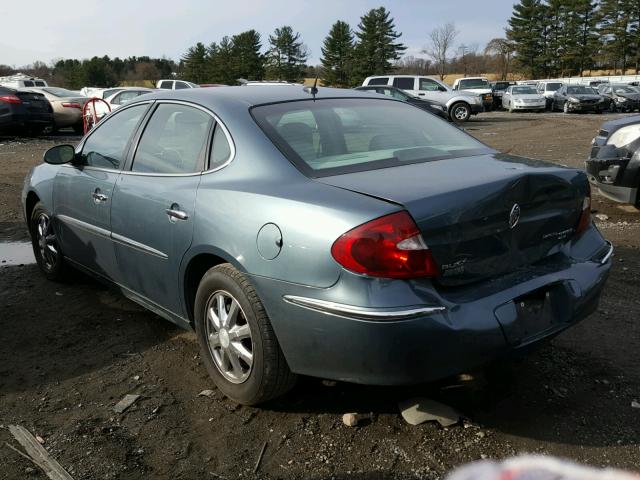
[(460, 112), (238, 345), (45, 245), (565, 107)]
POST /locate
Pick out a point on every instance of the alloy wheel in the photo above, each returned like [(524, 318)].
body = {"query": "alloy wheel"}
[(460, 113), (46, 241), (229, 337)]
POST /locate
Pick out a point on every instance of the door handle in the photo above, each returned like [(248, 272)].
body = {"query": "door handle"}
[(176, 214), (421, 94), (99, 197)]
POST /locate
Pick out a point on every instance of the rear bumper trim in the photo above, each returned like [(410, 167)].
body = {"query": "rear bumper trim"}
[(608, 254), (362, 313)]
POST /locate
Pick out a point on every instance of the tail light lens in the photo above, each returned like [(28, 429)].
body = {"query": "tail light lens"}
[(585, 216), (389, 247), (10, 99), (72, 105)]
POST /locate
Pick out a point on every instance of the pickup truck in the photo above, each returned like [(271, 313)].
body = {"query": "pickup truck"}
[(478, 86)]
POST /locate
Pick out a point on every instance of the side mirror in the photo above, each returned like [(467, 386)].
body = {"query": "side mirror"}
[(60, 154)]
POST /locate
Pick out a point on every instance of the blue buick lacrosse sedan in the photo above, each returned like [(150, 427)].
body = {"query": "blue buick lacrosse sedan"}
[(327, 232)]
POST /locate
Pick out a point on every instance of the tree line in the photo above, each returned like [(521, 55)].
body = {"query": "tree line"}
[(570, 37), (98, 71), (347, 56)]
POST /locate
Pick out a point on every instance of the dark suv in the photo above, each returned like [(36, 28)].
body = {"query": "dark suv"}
[(614, 163)]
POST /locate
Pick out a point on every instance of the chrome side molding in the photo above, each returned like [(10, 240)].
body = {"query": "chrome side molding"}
[(607, 255), (361, 313)]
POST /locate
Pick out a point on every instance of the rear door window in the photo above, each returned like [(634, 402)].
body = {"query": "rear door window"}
[(105, 147), (181, 85), (404, 83), (174, 141), (220, 149), (378, 81), (28, 83)]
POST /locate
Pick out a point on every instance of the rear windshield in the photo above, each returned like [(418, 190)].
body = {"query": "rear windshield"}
[(474, 83), (335, 136), (61, 92)]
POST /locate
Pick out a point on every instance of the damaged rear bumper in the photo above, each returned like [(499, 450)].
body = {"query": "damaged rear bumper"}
[(413, 331)]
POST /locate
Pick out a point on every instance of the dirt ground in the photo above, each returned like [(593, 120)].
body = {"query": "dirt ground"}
[(70, 351)]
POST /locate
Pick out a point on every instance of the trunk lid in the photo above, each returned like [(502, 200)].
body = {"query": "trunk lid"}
[(34, 103), (466, 207)]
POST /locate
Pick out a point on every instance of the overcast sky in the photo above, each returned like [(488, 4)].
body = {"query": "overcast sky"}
[(46, 30)]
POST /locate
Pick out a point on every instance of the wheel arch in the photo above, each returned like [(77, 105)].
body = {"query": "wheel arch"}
[(195, 265), (29, 204)]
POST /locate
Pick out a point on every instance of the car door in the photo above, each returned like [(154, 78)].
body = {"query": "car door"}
[(408, 84), (82, 191), (432, 90), (559, 97), (152, 215)]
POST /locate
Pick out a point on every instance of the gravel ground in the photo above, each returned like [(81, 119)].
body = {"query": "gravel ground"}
[(71, 351)]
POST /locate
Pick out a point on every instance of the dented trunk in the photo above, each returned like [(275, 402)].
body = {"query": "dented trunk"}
[(482, 216)]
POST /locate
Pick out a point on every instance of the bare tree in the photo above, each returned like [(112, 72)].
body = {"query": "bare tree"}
[(442, 39), (503, 49)]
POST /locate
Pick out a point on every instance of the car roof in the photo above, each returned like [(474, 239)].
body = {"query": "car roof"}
[(248, 97)]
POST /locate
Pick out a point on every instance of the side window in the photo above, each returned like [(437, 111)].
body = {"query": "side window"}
[(181, 85), (174, 141), (105, 147), (220, 148), (116, 99), (28, 83), (404, 83), (166, 84), (378, 81), (429, 85)]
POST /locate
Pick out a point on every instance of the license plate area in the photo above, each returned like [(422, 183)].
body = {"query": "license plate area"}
[(535, 312), (538, 313)]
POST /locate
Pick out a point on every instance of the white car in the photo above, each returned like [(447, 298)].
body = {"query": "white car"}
[(460, 105), (114, 97), (175, 85), (523, 97)]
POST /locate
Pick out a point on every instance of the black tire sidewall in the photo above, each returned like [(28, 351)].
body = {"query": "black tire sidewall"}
[(455, 107), (214, 280), (58, 270)]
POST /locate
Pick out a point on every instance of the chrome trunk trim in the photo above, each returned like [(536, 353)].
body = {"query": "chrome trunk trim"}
[(361, 313)]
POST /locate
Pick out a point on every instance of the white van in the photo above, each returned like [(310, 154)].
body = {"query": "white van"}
[(460, 105), (22, 81)]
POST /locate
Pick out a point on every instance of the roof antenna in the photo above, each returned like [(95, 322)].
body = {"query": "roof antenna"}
[(313, 90)]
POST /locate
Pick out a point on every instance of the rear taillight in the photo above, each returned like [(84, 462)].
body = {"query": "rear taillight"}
[(389, 247), (10, 99), (585, 215), (72, 105)]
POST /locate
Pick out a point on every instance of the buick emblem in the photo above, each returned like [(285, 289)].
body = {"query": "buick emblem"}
[(514, 215)]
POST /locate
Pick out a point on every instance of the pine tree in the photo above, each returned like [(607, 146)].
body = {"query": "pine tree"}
[(249, 62), (221, 62), (615, 27), (376, 47), (528, 33), (287, 55), (195, 64), (337, 55), (582, 38)]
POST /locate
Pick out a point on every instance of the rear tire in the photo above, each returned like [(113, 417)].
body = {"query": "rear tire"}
[(45, 245), (238, 345), (460, 112)]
